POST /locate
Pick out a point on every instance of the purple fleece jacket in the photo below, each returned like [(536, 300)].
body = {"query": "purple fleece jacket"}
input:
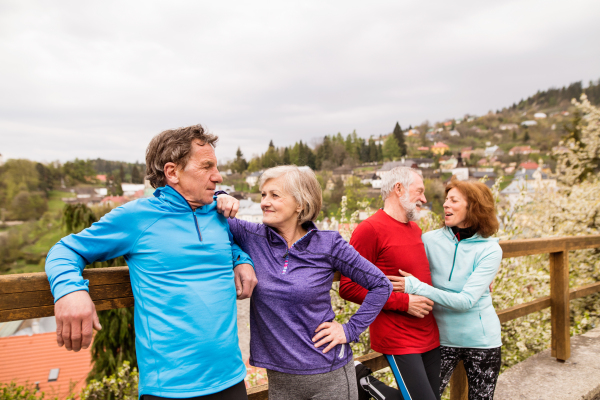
[(292, 296)]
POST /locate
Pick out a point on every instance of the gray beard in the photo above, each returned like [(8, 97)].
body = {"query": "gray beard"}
[(412, 214)]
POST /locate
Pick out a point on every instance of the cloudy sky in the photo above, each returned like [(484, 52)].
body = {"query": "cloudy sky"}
[(98, 79)]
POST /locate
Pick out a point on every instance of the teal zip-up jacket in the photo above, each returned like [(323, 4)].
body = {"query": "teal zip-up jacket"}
[(181, 268), (461, 273)]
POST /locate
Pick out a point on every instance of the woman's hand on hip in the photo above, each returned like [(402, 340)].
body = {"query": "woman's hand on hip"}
[(329, 332)]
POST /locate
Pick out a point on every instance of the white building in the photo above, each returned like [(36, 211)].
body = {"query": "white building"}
[(250, 211), (529, 123), (454, 132), (129, 189), (539, 115), (462, 174), (252, 179), (225, 188)]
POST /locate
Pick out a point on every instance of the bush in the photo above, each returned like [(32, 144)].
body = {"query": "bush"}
[(120, 386), (12, 391)]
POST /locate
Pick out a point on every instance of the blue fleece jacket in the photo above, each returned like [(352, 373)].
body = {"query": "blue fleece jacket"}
[(181, 269), (461, 273)]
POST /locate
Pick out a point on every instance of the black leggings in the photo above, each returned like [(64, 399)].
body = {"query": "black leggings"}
[(482, 367), (236, 392), (417, 376)]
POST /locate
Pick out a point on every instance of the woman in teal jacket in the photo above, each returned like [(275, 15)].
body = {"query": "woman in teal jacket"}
[(464, 260)]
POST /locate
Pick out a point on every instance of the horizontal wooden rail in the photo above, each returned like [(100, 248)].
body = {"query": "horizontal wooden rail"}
[(28, 295)]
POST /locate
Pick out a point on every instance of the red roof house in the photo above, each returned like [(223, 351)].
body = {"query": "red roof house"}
[(30, 359), (529, 165)]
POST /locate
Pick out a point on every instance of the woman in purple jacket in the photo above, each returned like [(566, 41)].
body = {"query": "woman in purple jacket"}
[(293, 331)]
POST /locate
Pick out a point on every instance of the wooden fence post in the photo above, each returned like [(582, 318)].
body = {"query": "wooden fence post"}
[(459, 387), (559, 295)]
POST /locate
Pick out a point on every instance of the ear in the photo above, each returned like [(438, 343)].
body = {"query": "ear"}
[(171, 173), (398, 189)]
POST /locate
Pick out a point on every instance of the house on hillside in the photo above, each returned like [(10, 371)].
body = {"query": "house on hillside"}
[(508, 127), (539, 115), (531, 165), (101, 178), (423, 162), (423, 148), (527, 182), (454, 133), (466, 152), (343, 173), (493, 151), (252, 179), (250, 211), (439, 148), (523, 150), (448, 165), (529, 123), (412, 132)]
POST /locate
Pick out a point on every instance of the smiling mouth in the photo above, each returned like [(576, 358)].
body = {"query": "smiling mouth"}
[(449, 214)]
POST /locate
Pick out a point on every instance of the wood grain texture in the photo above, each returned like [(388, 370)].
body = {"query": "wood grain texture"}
[(521, 310), (459, 386), (560, 297)]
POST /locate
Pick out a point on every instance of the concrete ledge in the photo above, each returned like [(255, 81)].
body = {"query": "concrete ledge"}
[(541, 377)]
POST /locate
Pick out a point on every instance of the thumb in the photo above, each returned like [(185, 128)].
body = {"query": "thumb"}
[(403, 273), (96, 321)]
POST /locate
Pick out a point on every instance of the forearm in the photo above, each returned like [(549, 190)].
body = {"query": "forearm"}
[(461, 301), (373, 302), (352, 291), (63, 268)]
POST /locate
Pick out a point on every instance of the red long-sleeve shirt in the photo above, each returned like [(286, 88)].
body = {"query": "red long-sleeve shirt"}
[(393, 245)]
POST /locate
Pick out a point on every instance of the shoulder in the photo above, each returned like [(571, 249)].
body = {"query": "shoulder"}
[(249, 227), (366, 227), (433, 235), (491, 246), (139, 210)]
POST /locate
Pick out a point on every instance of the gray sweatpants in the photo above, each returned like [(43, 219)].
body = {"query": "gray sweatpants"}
[(335, 385)]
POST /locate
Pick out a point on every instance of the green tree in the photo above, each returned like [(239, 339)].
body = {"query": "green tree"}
[(78, 171), (285, 160), (136, 176), (240, 164), (271, 158), (28, 205), (526, 135), (400, 139), (391, 150)]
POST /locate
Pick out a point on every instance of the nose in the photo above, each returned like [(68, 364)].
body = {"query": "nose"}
[(216, 177)]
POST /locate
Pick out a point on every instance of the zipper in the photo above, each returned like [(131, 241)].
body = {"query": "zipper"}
[(286, 256), (453, 261), (193, 213), (482, 327)]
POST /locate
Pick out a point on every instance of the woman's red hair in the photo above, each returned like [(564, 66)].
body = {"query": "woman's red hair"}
[(481, 208)]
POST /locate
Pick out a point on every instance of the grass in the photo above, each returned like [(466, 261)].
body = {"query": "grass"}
[(45, 242), (54, 202), (25, 269)]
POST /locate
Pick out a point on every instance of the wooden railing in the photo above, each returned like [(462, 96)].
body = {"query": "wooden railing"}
[(28, 296)]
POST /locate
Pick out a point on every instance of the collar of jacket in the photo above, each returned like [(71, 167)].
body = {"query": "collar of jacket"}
[(475, 238), (301, 244), (177, 202)]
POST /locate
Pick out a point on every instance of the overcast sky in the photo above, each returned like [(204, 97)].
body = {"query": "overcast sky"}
[(99, 79)]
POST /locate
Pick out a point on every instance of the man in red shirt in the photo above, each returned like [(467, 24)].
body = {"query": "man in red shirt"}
[(405, 330)]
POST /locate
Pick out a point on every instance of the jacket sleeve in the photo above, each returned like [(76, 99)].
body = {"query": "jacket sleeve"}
[(350, 263), (477, 284), (364, 240), (239, 256), (113, 236)]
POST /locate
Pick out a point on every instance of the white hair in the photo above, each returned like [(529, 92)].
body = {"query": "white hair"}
[(402, 175), (302, 184)]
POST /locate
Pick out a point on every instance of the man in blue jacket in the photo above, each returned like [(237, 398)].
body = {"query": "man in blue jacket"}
[(184, 272)]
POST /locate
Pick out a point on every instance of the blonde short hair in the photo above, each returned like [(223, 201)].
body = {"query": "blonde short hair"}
[(300, 183)]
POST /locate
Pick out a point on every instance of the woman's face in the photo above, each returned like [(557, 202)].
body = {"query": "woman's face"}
[(455, 209), (279, 207)]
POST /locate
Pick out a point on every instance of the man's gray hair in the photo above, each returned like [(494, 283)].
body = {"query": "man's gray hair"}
[(402, 175), (302, 184)]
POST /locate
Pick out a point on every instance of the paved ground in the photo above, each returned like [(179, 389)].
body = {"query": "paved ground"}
[(243, 314), (541, 377)]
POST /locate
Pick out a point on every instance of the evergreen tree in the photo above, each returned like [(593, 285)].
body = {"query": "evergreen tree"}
[(240, 164), (136, 177), (373, 156), (286, 157), (391, 150), (526, 135), (400, 139)]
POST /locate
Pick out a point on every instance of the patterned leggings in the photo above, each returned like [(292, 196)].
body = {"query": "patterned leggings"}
[(482, 366)]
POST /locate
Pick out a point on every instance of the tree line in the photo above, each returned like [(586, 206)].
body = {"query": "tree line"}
[(332, 152)]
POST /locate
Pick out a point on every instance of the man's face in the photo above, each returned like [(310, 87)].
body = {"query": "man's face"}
[(198, 180), (412, 200)]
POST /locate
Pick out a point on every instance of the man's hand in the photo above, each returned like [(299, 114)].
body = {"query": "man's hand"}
[(397, 282), (227, 205), (329, 332), (76, 320), (419, 306), (245, 280)]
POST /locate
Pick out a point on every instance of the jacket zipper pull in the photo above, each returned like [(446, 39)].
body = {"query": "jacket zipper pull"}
[(286, 254)]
